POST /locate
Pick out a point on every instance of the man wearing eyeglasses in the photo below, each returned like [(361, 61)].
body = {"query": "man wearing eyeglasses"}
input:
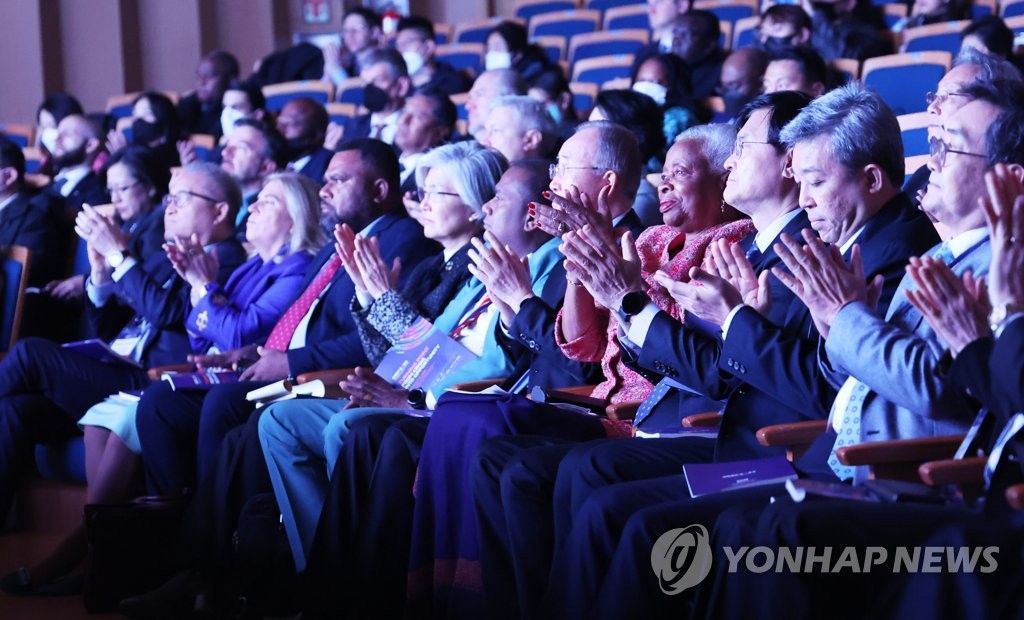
[(138, 306)]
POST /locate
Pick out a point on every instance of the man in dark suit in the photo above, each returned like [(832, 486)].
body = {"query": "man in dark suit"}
[(303, 123), (888, 371), (29, 219), (252, 152), (427, 120), (139, 306), (78, 143), (415, 42), (387, 86), (316, 333), (199, 111)]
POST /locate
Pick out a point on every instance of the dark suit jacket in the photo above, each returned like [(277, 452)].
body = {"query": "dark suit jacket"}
[(304, 61), (88, 191), (146, 233), (331, 339), (357, 127), (34, 222), (153, 290), (447, 80), (317, 165), (199, 118)]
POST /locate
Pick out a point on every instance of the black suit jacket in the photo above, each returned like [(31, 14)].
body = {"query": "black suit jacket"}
[(317, 165), (304, 61), (153, 290), (197, 117), (33, 220), (332, 340), (90, 190), (357, 127)]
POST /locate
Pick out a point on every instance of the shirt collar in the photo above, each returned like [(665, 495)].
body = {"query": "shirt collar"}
[(966, 240), (764, 238)]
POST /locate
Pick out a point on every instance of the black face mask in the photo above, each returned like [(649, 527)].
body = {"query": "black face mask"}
[(145, 133), (297, 147), (773, 45), (374, 98)]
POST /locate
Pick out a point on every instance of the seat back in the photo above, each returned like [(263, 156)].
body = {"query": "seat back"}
[(340, 112), (893, 13), (584, 94), (903, 80), (528, 9), (942, 37), (600, 70), (120, 106), (16, 261), (33, 157), (914, 130), (595, 44), (627, 17), (279, 94), (476, 31), (553, 46), (744, 32), (565, 23), (1011, 8), (18, 133), (462, 55), (729, 10)]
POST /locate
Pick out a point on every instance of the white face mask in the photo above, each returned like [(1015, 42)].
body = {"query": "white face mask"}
[(48, 138), (228, 118), (497, 60), (653, 90), (413, 61)]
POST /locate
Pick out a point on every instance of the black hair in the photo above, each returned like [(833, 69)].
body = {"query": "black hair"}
[(165, 112), (143, 166), (1004, 139), (60, 105), (420, 24), (679, 89), (637, 113), (445, 112), (514, 35), (782, 106), (369, 15), (993, 32), (277, 147), (380, 158), (227, 62), (254, 93), (12, 156), (812, 65)]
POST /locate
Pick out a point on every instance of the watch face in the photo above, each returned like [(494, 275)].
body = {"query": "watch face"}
[(634, 302)]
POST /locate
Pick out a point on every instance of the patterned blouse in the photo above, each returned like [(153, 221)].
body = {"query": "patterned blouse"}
[(661, 248)]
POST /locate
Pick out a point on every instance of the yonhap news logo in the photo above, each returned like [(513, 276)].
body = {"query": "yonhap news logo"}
[(681, 558)]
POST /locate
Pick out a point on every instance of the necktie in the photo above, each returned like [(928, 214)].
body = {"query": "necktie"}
[(59, 183), (850, 426), (282, 333), (378, 130), (652, 400)]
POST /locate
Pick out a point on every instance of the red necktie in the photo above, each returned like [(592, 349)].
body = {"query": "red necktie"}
[(282, 333)]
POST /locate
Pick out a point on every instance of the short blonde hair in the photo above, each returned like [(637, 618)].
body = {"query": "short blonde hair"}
[(302, 199)]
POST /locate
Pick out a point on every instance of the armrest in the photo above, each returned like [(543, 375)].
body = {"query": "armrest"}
[(899, 459), (156, 372), (709, 418), (577, 395), (795, 436), (329, 377), (621, 411), (477, 386), (1015, 496), (969, 471)]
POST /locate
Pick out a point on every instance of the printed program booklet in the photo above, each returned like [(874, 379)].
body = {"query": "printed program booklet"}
[(99, 351), (199, 379), (422, 357), (707, 478)]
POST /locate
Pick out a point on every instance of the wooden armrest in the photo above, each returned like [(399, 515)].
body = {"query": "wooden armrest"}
[(329, 377), (621, 411), (477, 386), (1015, 496), (795, 436), (156, 372), (709, 418), (900, 450), (793, 433), (969, 471)]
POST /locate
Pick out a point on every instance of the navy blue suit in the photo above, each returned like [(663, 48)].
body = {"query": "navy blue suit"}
[(34, 222), (317, 165), (357, 127), (181, 432)]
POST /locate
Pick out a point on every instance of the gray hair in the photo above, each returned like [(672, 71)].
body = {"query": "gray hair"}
[(473, 169), (532, 114), (302, 200), (386, 55), (990, 68), (227, 188), (507, 81), (617, 150), (716, 143), (861, 129)]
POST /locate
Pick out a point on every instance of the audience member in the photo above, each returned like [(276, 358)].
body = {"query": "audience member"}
[(925, 12), (989, 35), (253, 151), (665, 78), (552, 89), (28, 218), (662, 16), (797, 68), (742, 79), (200, 111), (50, 112), (303, 123), (519, 127), (508, 48), (78, 144), (360, 31), (427, 121), (847, 29), (487, 87), (783, 26), (695, 39), (415, 42), (387, 86)]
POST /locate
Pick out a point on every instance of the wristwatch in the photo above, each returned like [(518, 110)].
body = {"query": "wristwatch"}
[(418, 398), (115, 258), (632, 303), (1001, 312)]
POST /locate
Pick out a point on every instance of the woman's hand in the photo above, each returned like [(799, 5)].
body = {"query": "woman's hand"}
[(377, 277)]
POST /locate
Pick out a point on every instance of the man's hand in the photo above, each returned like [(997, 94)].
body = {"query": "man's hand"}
[(574, 211), (1004, 210), (236, 359), (271, 366), (187, 152), (67, 289), (822, 280), (345, 246), (506, 276), (366, 389), (99, 232), (608, 272), (729, 262), (957, 309)]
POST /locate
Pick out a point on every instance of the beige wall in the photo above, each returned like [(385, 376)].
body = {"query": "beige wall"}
[(98, 48)]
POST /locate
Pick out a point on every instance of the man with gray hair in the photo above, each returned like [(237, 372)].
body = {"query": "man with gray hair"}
[(387, 86), (970, 67), (45, 388), (487, 87), (519, 127)]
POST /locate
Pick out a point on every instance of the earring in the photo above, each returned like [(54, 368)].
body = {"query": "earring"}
[(722, 206)]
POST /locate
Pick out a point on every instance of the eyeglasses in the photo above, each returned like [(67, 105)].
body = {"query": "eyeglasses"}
[(938, 150), (176, 199), (557, 169), (738, 147), (423, 193), (933, 97)]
